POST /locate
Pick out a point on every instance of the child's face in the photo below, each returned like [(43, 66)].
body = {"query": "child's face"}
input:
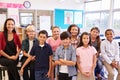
[(85, 39), (66, 42), (74, 31), (31, 34), (94, 33), (42, 38), (109, 35)]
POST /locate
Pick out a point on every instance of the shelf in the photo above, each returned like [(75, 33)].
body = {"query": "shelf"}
[(20, 33)]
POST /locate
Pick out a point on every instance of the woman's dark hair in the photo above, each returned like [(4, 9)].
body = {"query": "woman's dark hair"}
[(81, 43), (64, 35), (43, 32), (98, 37), (5, 31), (73, 25)]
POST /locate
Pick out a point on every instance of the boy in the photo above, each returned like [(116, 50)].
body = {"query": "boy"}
[(27, 45), (110, 54), (43, 57), (65, 58)]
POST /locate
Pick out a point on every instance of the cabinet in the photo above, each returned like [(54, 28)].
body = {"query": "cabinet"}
[(20, 32)]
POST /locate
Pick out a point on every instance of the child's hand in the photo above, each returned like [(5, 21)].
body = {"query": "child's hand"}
[(114, 64), (48, 74), (90, 73), (33, 58), (62, 60), (86, 74), (21, 71)]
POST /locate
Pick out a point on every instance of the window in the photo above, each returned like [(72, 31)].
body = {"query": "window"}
[(116, 4), (98, 5), (93, 6), (92, 19), (99, 19), (26, 18), (116, 20)]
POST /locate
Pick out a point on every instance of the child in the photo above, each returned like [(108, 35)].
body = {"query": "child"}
[(110, 54), (95, 41), (74, 30), (86, 58), (65, 58), (43, 58), (27, 45)]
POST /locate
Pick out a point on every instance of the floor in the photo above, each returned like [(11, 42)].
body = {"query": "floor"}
[(6, 76)]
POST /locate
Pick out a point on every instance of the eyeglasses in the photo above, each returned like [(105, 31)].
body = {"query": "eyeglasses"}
[(30, 31)]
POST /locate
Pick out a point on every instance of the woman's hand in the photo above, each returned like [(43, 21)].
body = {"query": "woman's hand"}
[(13, 57)]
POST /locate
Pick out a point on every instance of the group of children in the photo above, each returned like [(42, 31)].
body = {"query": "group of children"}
[(66, 55)]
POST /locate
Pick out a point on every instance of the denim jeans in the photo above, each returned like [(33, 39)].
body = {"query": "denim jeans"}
[(41, 75)]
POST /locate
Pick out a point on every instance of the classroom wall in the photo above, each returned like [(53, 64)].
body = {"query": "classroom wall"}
[(50, 4)]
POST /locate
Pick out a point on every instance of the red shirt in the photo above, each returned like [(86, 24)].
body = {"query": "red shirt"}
[(3, 42)]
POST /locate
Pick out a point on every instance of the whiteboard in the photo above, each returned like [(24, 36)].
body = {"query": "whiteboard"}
[(45, 23)]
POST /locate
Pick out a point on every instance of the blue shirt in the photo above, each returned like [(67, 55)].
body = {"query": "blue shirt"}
[(42, 56), (71, 56)]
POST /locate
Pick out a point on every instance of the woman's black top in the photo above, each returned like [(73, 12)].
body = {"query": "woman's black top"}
[(10, 48)]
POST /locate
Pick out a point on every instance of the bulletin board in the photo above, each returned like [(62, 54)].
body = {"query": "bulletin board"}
[(63, 18)]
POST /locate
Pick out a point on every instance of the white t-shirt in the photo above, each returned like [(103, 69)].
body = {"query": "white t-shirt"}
[(64, 68), (30, 45)]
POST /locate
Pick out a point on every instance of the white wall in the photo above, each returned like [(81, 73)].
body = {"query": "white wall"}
[(47, 5), (50, 4)]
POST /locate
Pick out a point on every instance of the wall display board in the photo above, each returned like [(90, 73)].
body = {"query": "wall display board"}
[(63, 18)]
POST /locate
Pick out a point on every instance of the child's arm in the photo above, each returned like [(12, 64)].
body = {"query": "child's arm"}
[(78, 64), (94, 62), (72, 61), (26, 62), (66, 62), (50, 66), (117, 53), (103, 53), (25, 54)]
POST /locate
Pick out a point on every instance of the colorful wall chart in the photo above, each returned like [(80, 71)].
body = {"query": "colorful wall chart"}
[(63, 18)]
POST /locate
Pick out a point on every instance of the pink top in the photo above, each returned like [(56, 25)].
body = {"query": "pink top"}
[(86, 57), (53, 43)]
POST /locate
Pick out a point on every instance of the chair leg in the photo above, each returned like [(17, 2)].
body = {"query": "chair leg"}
[(0, 74), (4, 73)]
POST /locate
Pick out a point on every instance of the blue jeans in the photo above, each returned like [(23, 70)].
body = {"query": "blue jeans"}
[(99, 67), (41, 75)]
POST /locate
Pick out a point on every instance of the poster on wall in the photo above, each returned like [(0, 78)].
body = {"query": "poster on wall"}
[(45, 23), (63, 18), (68, 17)]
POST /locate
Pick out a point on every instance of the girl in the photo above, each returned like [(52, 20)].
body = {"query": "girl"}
[(86, 58), (54, 41), (9, 49), (74, 30), (95, 41)]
